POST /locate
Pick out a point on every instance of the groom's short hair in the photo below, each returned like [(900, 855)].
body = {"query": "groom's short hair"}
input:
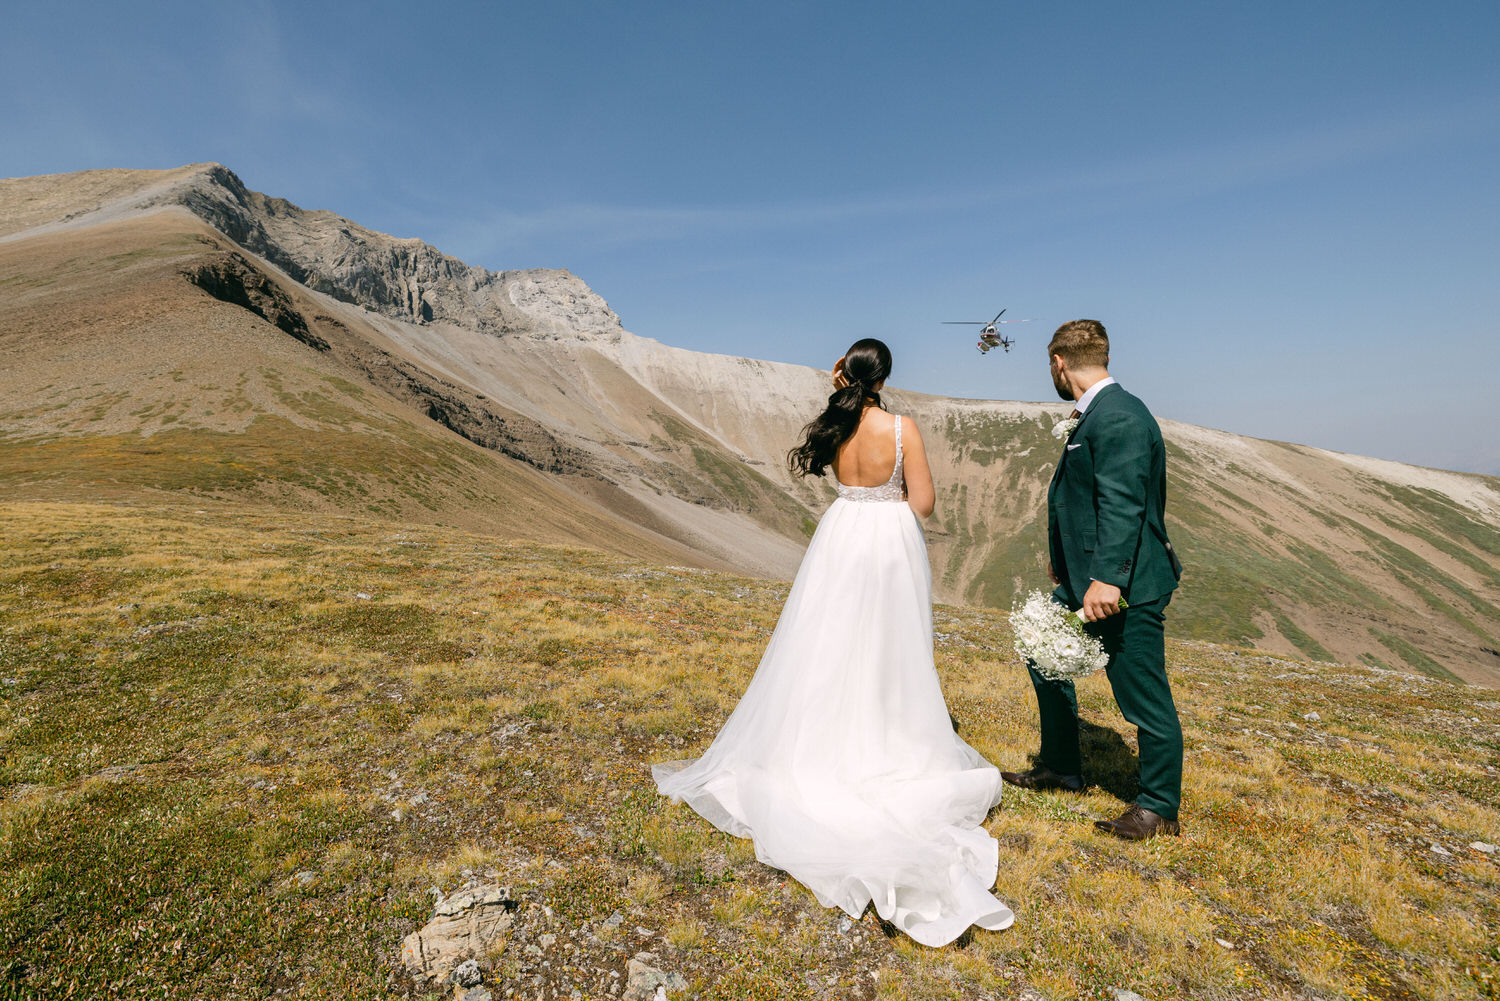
[(1081, 343)]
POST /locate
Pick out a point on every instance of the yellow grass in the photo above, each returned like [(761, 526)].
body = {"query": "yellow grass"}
[(491, 711)]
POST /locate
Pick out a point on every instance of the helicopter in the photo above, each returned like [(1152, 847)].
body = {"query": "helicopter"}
[(989, 337)]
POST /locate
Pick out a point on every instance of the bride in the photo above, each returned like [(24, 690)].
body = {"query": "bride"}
[(840, 761)]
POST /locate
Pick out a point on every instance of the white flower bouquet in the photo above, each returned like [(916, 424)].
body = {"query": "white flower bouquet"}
[(1052, 638)]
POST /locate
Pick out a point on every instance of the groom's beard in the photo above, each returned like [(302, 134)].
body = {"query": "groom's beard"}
[(1063, 392)]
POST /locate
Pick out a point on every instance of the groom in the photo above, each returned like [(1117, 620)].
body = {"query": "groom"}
[(1108, 541)]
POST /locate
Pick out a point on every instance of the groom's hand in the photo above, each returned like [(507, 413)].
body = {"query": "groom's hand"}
[(1101, 601), (1051, 573)]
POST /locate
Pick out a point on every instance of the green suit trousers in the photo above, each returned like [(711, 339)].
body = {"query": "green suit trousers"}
[(1135, 641)]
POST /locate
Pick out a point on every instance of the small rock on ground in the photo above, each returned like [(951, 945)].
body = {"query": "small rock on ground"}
[(644, 982), (466, 974)]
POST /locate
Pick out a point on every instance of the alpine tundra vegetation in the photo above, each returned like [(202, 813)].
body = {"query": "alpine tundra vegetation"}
[(246, 751)]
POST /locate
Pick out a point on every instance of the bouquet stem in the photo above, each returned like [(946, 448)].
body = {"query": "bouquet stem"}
[(1076, 621)]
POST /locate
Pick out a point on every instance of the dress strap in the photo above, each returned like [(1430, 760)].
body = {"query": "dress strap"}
[(897, 472)]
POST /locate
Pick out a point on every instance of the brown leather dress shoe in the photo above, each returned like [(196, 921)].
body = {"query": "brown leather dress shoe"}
[(1138, 824), (1042, 777)]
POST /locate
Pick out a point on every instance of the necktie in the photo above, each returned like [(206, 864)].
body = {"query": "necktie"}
[(1074, 415)]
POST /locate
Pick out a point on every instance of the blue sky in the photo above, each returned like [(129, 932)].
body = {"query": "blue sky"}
[(1286, 213)]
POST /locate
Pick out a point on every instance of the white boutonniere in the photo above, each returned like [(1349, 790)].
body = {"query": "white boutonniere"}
[(1064, 427)]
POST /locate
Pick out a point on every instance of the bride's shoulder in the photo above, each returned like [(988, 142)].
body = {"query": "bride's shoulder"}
[(910, 434)]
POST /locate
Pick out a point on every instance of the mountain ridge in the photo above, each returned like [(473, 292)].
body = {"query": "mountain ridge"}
[(1297, 549)]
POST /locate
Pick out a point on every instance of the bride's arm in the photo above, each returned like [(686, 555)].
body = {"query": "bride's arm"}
[(919, 493)]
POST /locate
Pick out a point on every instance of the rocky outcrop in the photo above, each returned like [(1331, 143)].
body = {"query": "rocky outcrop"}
[(465, 926), (231, 278), (468, 414), (404, 279)]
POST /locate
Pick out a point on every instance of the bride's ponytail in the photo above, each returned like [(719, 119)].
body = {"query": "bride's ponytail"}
[(866, 364)]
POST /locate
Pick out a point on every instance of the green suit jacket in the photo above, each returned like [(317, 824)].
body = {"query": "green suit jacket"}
[(1106, 506)]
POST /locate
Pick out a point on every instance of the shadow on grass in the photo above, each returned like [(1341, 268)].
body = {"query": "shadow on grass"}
[(1108, 762)]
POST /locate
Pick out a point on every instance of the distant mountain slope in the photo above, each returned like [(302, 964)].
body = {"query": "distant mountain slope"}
[(125, 379), (179, 332)]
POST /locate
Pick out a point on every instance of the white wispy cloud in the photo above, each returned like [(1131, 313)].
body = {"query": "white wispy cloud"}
[(1176, 174)]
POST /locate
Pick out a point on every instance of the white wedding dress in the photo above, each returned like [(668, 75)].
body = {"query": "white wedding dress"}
[(841, 761)]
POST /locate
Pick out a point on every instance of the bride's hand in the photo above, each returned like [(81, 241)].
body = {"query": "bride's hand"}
[(839, 380)]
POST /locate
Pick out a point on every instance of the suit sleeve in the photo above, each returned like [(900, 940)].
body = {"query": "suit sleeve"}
[(1122, 463)]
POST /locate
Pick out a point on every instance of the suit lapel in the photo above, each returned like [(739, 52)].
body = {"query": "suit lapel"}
[(1103, 394), (1057, 472)]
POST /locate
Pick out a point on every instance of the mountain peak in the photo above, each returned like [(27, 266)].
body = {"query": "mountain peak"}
[(404, 278)]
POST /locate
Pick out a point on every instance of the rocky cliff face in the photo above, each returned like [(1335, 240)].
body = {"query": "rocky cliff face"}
[(404, 279)]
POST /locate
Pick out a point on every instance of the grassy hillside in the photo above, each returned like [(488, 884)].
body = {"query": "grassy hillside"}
[(240, 746), (1362, 569), (125, 379)]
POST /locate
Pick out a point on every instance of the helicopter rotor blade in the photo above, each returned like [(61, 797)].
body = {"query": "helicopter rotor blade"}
[(967, 323), (998, 315)]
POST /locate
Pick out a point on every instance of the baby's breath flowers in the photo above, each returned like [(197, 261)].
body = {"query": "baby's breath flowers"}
[(1064, 427), (1052, 638)]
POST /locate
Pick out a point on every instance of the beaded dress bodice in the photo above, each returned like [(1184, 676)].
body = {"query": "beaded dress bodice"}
[(890, 490)]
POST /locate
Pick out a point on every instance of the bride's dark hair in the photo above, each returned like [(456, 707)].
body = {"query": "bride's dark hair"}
[(866, 364)]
